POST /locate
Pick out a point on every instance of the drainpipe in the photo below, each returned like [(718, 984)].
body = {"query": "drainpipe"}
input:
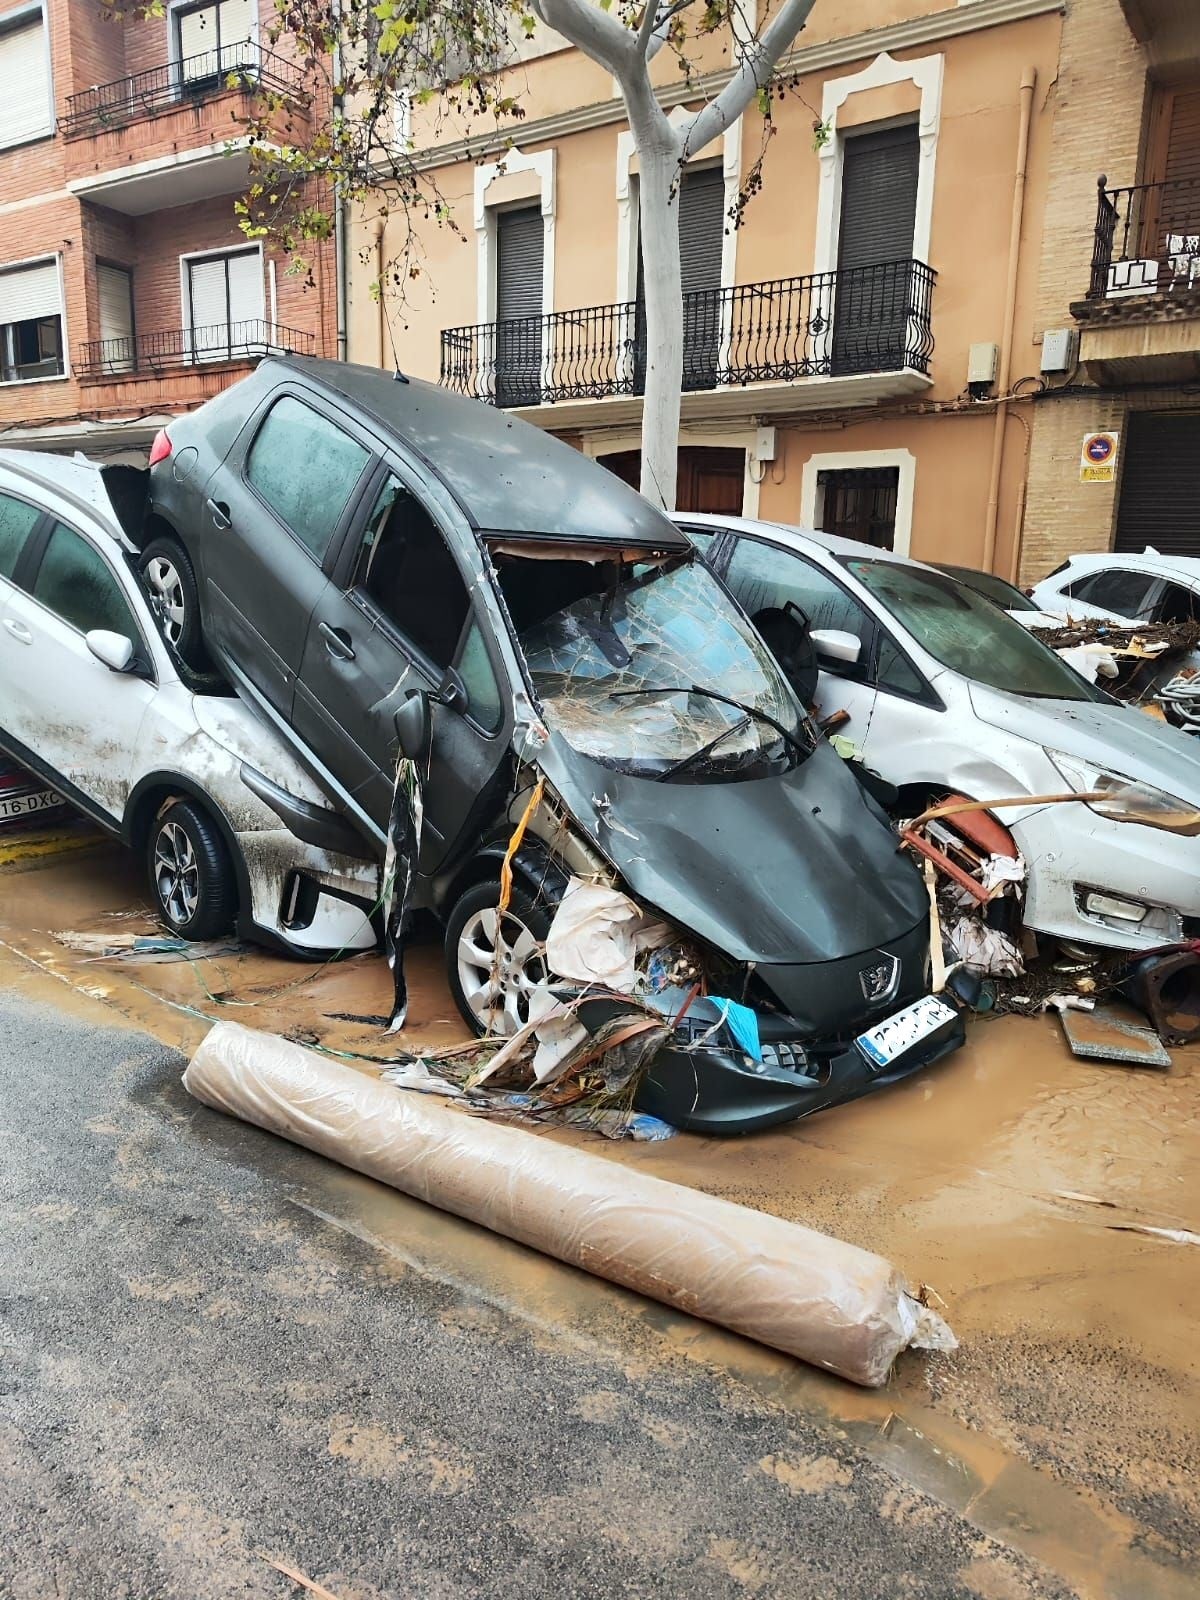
[(339, 203), (378, 230), (1028, 84)]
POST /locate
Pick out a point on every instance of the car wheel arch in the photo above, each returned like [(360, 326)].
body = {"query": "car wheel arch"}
[(146, 801), (533, 867)]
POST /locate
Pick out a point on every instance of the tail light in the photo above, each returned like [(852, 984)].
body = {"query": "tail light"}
[(161, 448)]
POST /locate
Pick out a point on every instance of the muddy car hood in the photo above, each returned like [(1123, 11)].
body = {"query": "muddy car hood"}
[(1116, 738), (796, 868)]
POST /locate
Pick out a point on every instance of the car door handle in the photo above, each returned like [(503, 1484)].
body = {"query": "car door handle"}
[(220, 514), (337, 641), (19, 631)]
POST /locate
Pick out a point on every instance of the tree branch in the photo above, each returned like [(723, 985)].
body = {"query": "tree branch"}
[(588, 28), (652, 34), (754, 72)]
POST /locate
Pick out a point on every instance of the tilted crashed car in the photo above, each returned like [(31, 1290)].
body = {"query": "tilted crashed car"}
[(947, 692), (233, 832), (360, 553)]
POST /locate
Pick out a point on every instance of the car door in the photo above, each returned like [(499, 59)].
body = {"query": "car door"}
[(277, 506), (19, 521), (76, 717), (398, 615)]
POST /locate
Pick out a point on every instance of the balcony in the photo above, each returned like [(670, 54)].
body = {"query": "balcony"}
[(243, 69), (830, 338), (1140, 317), (181, 366)]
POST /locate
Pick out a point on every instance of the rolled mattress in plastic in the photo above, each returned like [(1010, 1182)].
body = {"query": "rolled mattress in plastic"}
[(802, 1292)]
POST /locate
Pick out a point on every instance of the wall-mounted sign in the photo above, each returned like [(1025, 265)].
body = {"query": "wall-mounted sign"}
[(1098, 458)]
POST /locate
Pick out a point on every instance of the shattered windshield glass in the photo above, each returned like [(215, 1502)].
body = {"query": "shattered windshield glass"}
[(969, 634), (617, 673)]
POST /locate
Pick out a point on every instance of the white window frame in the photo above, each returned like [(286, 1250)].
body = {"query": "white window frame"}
[(185, 297), (849, 461), (10, 22), (37, 261), (544, 164)]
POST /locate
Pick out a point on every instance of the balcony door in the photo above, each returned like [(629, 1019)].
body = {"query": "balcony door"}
[(213, 39), (114, 288), (1170, 222), (224, 304), (701, 202), (520, 253), (875, 245)]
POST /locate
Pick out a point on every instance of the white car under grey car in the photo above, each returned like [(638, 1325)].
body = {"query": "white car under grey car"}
[(947, 693), (233, 831)]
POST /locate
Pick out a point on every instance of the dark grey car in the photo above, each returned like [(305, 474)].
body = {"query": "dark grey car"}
[(353, 548)]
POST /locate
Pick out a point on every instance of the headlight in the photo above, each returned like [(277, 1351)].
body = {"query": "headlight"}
[(1123, 800)]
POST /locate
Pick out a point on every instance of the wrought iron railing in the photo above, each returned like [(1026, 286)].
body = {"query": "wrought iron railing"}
[(222, 341), (241, 66), (861, 320), (1147, 239)]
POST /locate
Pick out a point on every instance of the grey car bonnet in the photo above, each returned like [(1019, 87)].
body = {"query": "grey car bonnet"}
[(794, 868), (505, 474)]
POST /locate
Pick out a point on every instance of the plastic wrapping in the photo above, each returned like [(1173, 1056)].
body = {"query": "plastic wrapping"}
[(826, 1302)]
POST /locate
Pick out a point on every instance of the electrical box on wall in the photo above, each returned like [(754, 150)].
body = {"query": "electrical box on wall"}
[(764, 445), (983, 361), (1058, 349)]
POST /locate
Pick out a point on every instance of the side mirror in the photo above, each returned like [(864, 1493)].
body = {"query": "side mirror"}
[(113, 649), (414, 726), (834, 644), (451, 692)]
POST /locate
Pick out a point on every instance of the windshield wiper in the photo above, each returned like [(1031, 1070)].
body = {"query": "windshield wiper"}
[(705, 749), (726, 700)]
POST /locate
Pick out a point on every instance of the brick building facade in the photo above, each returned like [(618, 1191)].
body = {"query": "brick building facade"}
[(128, 292)]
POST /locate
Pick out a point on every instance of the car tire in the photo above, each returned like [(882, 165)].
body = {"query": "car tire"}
[(170, 584), (191, 874), (470, 947)]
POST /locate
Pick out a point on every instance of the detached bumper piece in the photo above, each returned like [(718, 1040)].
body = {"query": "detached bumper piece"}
[(703, 1081)]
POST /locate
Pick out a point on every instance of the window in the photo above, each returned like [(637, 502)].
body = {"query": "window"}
[(25, 80), (225, 307), (483, 692), (31, 341), (404, 567), (114, 287), (17, 522), (893, 670), (305, 467), (859, 503), (520, 252), (77, 584), (1119, 590), (1178, 605), (765, 578), (214, 39)]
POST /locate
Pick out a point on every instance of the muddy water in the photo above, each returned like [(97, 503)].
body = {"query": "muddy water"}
[(980, 1177)]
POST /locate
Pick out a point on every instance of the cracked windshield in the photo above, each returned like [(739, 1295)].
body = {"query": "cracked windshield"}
[(618, 673)]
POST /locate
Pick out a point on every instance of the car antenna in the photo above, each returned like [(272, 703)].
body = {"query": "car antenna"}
[(398, 376)]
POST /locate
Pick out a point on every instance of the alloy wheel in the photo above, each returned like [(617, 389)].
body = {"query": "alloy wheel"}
[(176, 874), (499, 964), (166, 596)]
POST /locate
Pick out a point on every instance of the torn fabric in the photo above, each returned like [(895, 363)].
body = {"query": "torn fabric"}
[(597, 935), (399, 870)]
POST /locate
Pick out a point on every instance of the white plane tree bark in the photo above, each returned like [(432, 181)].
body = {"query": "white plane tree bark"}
[(663, 149)]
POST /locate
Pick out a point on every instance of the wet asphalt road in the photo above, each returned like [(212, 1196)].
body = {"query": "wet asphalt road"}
[(197, 1373)]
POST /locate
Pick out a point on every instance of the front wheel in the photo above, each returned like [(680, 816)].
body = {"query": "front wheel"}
[(191, 875), (494, 963)]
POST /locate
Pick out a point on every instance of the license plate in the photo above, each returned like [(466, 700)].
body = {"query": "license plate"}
[(23, 805), (886, 1040)]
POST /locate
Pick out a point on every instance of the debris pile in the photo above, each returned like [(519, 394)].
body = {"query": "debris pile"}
[(1151, 664)]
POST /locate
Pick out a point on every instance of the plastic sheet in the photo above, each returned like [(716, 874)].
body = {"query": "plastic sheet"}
[(799, 1291)]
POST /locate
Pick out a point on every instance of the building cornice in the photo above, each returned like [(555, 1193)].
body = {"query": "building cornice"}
[(970, 16)]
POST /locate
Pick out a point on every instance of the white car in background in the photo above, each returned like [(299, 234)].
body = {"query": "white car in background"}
[(233, 831), (948, 693), (1125, 588)]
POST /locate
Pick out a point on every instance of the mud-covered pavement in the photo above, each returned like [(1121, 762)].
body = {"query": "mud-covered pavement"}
[(216, 1347)]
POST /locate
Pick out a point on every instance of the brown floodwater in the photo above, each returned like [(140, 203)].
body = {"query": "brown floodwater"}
[(1003, 1177)]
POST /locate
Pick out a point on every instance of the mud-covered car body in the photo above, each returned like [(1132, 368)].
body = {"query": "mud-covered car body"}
[(120, 744), (557, 626)]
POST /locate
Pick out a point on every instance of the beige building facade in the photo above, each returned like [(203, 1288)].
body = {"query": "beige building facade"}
[(849, 346), (1120, 277)]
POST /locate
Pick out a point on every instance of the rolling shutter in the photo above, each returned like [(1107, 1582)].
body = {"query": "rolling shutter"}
[(1183, 138), (114, 287), (25, 83), (701, 228), (215, 38), (30, 292), (1160, 484), (879, 197), (520, 242)]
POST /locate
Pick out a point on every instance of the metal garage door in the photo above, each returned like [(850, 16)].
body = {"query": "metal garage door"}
[(1160, 485)]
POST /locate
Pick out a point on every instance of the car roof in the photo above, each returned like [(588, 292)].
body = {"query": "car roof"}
[(798, 538), (508, 476), (1185, 569), (73, 478)]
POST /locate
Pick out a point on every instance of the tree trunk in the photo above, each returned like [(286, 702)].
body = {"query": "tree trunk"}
[(659, 223)]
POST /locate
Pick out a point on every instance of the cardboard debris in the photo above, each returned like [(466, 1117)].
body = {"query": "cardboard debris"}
[(1104, 1035)]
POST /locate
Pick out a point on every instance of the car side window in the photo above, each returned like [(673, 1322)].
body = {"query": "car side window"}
[(404, 567), (1177, 604), (17, 522), (766, 578), (893, 669), (1118, 589), (75, 582), (305, 468), (483, 692)]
